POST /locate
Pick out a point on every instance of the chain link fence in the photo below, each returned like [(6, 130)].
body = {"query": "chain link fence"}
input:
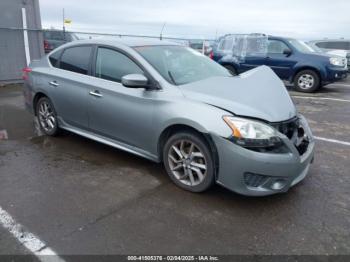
[(15, 53)]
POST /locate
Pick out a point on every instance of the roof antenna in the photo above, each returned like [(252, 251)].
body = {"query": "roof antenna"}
[(161, 31)]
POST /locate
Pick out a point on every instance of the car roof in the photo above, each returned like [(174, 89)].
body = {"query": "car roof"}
[(330, 40), (268, 36), (131, 42), (279, 37)]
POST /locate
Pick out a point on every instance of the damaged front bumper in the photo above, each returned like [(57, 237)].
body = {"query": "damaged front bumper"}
[(255, 173)]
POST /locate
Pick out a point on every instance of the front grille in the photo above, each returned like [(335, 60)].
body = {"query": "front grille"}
[(254, 180), (295, 132)]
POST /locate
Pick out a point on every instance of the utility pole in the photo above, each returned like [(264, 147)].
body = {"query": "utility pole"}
[(161, 32), (64, 28)]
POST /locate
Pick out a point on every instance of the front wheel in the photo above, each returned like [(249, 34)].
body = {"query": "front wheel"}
[(307, 81), (189, 162)]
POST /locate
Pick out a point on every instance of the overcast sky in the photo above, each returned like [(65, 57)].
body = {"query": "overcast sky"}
[(305, 19)]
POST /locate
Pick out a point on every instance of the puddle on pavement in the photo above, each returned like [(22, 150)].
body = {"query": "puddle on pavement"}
[(16, 124)]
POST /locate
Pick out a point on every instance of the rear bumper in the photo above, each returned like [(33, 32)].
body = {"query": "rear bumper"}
[(259, 174)]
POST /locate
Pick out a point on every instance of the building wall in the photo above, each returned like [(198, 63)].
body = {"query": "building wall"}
[(12, 51)]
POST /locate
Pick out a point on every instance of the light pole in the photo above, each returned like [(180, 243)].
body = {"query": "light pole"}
[(64, 28), (161, 32)]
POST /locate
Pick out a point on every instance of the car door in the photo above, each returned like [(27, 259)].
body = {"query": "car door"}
[(251, 61), (278, 61), (249, 52), (69, 85), (118, 112)]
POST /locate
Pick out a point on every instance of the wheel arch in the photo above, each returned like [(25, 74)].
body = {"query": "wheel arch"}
[(313, 68), (175, 128), (235, 67), (36, 98)]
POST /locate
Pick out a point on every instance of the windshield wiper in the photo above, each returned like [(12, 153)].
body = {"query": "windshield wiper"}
[(172, 78)]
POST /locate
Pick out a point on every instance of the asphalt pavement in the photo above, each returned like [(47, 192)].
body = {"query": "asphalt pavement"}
[(82, 197)]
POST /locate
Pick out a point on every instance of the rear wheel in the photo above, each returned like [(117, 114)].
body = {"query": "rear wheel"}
[(189, 162), (307, 81), (47, 117), (231, 69)]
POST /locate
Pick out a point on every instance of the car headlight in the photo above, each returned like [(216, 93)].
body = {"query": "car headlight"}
[(337, 61), (250, 133)]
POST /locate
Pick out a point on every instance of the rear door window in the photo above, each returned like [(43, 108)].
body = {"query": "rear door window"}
[(276, 47), (113, 65), (76, 59), (226, 44)]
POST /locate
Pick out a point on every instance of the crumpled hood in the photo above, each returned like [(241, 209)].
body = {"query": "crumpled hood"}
[(257, 93)]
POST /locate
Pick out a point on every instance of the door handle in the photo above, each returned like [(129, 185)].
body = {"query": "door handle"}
[(95, 93), (54, 83)]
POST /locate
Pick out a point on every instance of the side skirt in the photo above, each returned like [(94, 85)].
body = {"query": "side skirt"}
[(109, 142)]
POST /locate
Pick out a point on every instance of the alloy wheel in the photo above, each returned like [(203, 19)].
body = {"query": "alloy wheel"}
[(187, 162), (46, 116), (306, 81)]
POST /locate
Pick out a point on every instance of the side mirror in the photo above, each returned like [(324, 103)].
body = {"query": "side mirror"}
[(135, 81), (287, 52)]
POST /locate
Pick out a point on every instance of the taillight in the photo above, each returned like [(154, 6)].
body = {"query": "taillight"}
[(211, 55), (26, 72), (46, 45)]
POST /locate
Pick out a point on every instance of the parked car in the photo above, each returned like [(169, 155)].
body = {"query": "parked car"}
[(203, 47), (291, 60), (56, 38), (339, 47), (169, 104)]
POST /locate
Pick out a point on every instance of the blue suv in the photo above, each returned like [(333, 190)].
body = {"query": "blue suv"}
[(291, 59)]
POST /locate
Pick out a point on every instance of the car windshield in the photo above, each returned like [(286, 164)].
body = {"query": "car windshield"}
[(301, 46), (181, 65), (315, 48)]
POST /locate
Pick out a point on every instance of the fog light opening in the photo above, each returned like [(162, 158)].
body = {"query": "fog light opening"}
[(278, 184)]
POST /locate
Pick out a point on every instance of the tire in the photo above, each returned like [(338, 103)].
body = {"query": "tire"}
[(231, 69), (190, 171), (307, 81), (47, 117)]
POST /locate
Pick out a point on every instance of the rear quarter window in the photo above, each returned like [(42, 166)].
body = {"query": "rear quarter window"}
[(53, 58)]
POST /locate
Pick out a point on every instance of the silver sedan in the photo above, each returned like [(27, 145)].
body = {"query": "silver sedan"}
[(171, 104)]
